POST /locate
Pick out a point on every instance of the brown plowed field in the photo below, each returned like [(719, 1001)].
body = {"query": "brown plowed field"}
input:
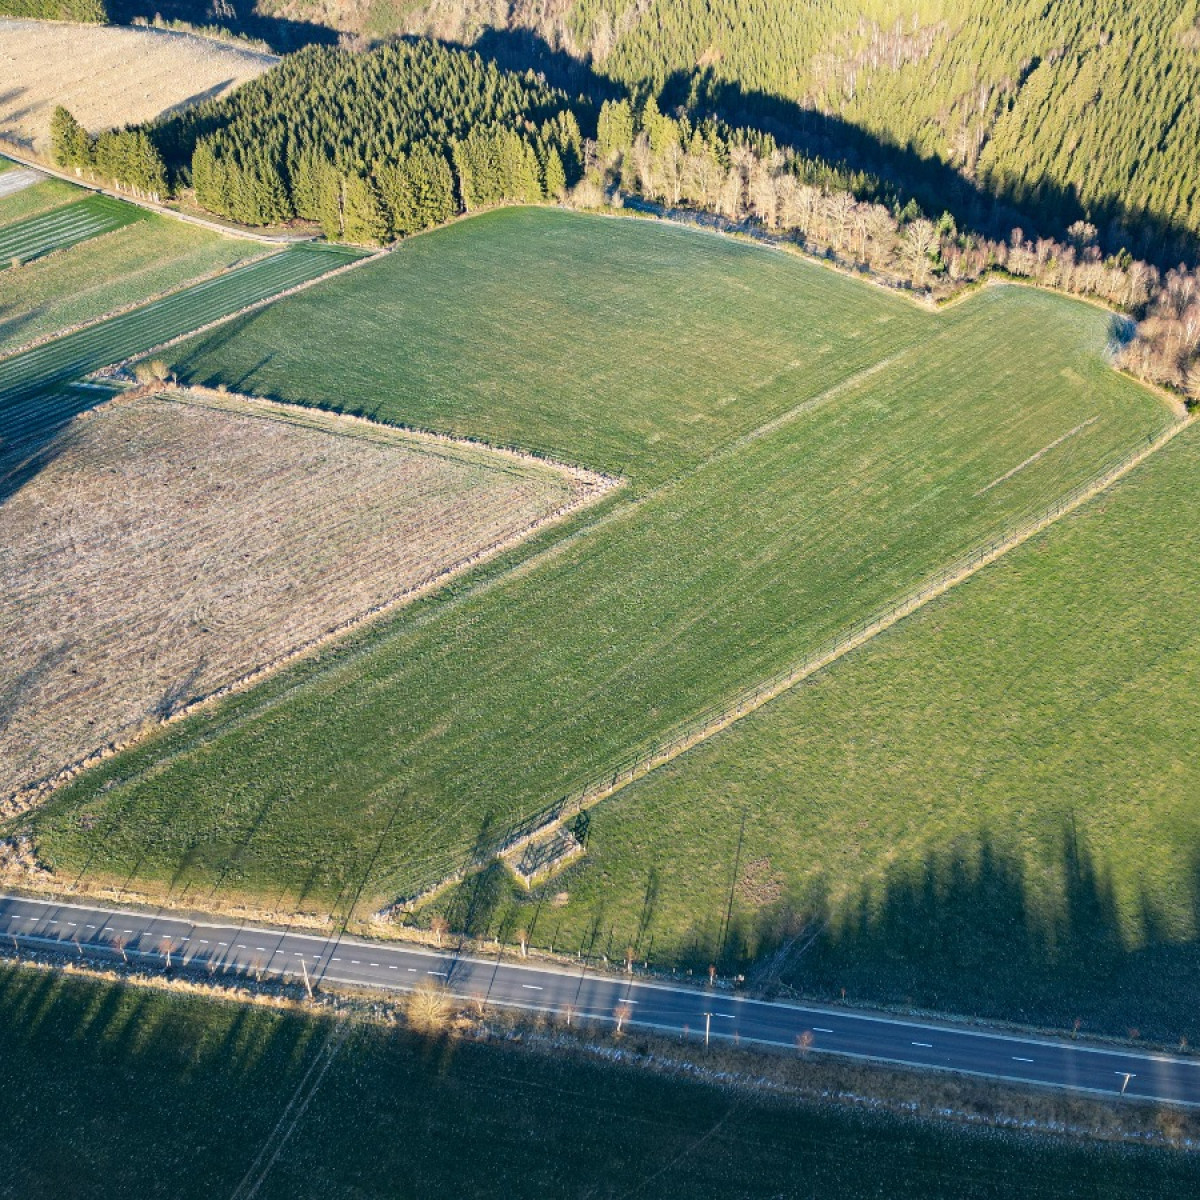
[(162, 548)]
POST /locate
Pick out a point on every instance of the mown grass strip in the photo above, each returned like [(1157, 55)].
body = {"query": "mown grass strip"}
[(100, 277), (63, 227), (42, 197)]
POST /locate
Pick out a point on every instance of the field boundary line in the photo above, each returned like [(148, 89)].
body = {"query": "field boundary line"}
[(590, 487), (353, 265), (705, 726), (1058, 441), (145, 301)]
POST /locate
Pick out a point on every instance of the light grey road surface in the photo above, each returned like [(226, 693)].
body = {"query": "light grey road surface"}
[(169, 942)]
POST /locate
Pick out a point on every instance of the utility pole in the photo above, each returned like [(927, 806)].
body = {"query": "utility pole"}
[(707, 1026), (307, 984)]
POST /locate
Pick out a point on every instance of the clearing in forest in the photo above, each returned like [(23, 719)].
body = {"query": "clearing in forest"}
[(157, 549), (802, 449), (108, 75)]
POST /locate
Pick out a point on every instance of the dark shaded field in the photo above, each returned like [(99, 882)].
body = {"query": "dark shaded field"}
[(112, 1091)]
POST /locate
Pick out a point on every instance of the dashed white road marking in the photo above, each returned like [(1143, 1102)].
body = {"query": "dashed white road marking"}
[(924, 1045), (1017, 1058), (818, 1029), (532, 987)]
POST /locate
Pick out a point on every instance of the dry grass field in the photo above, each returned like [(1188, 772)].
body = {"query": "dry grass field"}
[(107, 75), (161, 548)]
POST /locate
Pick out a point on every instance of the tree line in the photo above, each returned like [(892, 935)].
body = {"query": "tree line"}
[(382, 144), (86, 11), (125, 158), (372, 146)]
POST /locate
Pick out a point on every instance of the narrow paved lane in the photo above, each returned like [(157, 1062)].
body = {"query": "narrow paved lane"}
[(168, 942)]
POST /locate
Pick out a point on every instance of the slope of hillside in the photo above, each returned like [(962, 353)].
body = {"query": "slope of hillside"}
[(107, 76), (1085, 107)]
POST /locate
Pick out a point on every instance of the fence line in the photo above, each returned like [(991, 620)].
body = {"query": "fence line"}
[(715, 718)]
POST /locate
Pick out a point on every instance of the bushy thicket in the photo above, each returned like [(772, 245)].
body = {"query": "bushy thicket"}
[(90, 11)]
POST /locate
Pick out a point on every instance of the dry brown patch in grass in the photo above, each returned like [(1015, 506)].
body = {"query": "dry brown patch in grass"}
[(107, 75), (164, 547), (760, 885)]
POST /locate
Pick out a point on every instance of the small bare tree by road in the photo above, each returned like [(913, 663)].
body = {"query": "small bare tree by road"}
[(428, 1007), (622, 1013)]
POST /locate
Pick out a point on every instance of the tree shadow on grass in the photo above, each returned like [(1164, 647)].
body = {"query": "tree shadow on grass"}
[(993, 207), (958, 932)]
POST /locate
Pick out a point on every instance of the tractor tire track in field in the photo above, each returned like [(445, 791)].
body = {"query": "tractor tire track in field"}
[(302, 1097), (751, 700)]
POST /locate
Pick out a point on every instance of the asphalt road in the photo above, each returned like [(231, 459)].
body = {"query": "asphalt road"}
[(170, 942)]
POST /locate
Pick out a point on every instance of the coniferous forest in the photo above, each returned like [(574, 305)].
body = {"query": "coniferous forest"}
[(374, 146), (91, 11), (931, 151)]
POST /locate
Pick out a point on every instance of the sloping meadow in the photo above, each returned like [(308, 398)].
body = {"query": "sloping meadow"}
[(802, 449)]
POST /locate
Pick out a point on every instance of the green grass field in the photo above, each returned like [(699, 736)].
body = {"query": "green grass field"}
[(114, 1092), (40, 198), (33, 373), (61, 228), (801, 449), (96, 277), (989, 809)]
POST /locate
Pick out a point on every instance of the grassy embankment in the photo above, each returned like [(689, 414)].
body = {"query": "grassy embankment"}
[(758, 523), (112, 1091)]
